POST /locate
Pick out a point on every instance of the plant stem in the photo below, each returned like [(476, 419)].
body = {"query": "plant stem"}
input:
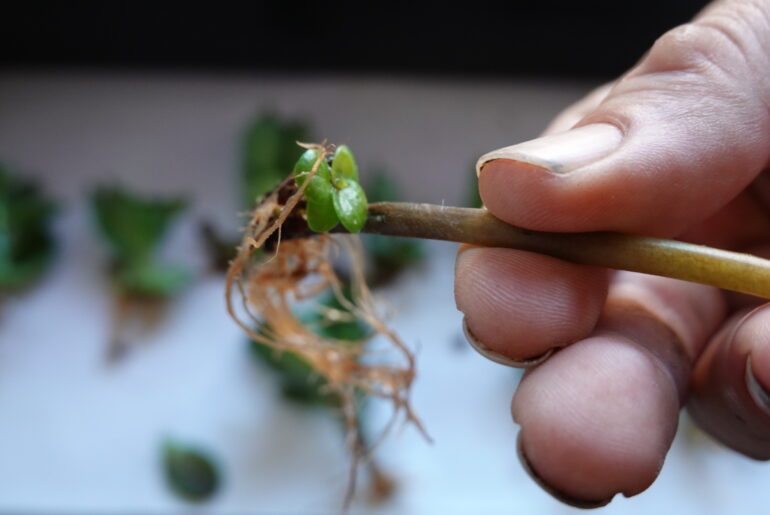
[(669, 258)]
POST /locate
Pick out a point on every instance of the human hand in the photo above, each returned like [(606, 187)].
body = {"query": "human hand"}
[(675, 148)]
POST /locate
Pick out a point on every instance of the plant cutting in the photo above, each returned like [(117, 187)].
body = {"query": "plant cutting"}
[(26, 242), (268, 148), (134, 228), (273, 277)]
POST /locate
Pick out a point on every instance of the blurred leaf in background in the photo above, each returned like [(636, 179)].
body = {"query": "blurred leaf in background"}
[(388, 255), (298, 380), (268, 152), (26, 243), (473, 199), (190, 473), (134, 228)]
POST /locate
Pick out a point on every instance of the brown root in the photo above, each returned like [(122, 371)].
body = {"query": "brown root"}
[(270, 285)]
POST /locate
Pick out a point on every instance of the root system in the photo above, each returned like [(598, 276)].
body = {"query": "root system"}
[(272, 277)]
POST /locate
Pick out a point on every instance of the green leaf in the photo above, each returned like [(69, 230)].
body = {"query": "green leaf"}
[(321, 216), (344, 164), (26, 243), (152, 280), (133, 226), (320, 190), (269, 150), (190, 473), (350, 204), (299, 382), (305, 164)]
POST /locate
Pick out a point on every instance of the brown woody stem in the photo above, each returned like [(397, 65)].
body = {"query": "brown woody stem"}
[(668, 258)]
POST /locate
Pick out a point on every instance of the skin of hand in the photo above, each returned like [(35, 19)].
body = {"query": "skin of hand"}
[(675, 148)]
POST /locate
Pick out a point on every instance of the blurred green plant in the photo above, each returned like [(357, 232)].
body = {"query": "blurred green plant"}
[(388, 255), (268, 152), (190, 473), (473, 199), (298, 381), (134, 228), (26, 243)]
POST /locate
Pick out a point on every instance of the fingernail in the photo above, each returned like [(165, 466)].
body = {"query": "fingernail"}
[(562, 152), (556, 494), (499, 358), (758, 392)]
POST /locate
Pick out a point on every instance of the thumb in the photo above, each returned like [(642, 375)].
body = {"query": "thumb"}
[(675, 139)]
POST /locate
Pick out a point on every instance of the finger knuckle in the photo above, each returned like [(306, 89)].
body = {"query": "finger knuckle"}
[(700, 48)]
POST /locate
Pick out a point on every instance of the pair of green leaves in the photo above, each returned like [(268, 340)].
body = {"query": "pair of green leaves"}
[(134, 227), (26, 243), (333, 194)]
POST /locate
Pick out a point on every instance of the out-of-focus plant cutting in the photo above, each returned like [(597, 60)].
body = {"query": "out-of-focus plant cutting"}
[(134, 228), (268, 148), (191, 473), (388, 256), (26, 242)]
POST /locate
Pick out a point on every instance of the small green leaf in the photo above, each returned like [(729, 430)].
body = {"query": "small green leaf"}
[(319, 189), (351, 205), (344, 164), (305, 164), (321, 217), (190, 473), (319, 194)]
